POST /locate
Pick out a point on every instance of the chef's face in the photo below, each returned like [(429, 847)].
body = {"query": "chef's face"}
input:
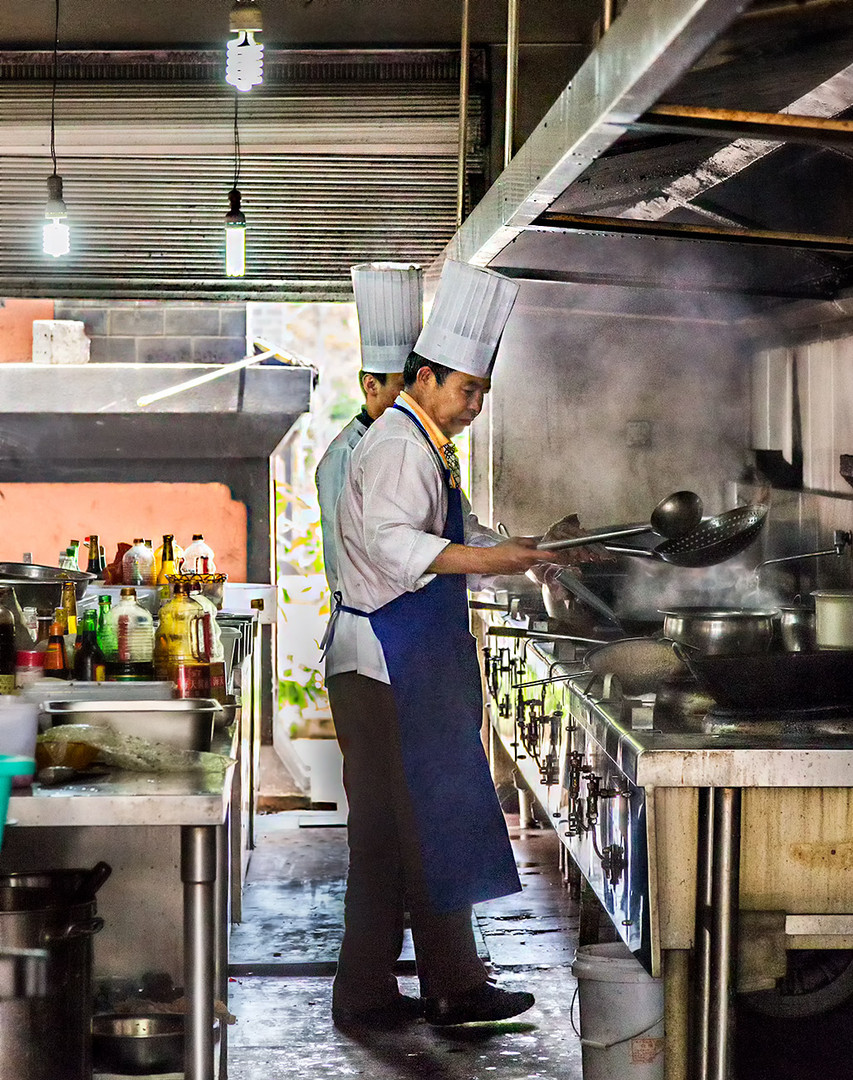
[(457, 402), (378, 395)]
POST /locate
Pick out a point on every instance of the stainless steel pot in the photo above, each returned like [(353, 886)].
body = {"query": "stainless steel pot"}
[(719, 632), (797, 629), (143, 1043), (65, 887), (48, 1038), (833, 618)]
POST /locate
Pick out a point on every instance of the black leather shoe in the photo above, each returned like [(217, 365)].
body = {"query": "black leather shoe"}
[(483, 1003), (402, 1010)]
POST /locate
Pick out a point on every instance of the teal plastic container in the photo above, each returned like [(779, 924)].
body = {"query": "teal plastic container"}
[(9, 767)]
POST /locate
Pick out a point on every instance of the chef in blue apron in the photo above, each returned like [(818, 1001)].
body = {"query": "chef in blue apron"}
[(425, 828), (389, 305)]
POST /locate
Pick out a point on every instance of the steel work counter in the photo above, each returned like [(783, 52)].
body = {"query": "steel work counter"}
[(198, 804)]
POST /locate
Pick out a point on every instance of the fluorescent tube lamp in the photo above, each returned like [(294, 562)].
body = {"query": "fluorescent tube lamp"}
[(244, 57), (55, 238), (235, 237)]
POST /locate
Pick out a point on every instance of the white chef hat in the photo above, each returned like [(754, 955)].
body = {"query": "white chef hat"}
[(468, 316), (389, 300)]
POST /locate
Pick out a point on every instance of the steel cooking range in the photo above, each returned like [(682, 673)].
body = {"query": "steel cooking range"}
[(620, 780)]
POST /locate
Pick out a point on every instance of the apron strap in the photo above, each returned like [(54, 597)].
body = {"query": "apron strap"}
[(329, 635)]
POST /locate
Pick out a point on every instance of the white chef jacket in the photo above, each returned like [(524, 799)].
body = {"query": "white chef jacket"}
[(329, 478), (390, 516)]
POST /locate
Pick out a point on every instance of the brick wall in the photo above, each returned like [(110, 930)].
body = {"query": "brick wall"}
[(143, 331)]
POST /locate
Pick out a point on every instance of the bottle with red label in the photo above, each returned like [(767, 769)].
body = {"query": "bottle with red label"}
[(180, 654), (130, 651), (212, 639)]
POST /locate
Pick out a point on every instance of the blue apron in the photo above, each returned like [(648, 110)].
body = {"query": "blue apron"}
[(431, 658)]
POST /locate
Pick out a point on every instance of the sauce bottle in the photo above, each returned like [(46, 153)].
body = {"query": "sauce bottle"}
[(198, 558), (55, 660), (137, 564), (131, 652), (7, 651), (90, 664), (179, 654)]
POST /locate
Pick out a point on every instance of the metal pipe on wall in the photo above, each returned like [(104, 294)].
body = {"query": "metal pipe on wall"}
[(462, 155), (511, 77), (608, 12)]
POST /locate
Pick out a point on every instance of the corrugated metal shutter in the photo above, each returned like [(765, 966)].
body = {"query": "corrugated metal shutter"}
[(335, 169)]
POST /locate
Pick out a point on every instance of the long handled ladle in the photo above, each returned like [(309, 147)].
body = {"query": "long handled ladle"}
[(674, 516)]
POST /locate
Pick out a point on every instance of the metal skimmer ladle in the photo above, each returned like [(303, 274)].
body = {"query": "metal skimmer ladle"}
[(675, 516), (713, 541)]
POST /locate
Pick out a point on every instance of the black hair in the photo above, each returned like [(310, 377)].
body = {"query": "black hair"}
[(380, 376), (414, 363)]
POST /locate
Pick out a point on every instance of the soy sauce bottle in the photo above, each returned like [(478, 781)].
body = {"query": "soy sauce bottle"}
[(7, 650), (90, 664)]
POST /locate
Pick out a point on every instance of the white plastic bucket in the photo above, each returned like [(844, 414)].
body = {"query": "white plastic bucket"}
[(621, 1013)]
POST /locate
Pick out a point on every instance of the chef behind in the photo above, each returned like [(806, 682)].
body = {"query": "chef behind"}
[(389, 304), (426, 832)]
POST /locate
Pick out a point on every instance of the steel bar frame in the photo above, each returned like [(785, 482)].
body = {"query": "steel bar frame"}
[(732, 124), (580, 277), (550, 221), (650, 45)]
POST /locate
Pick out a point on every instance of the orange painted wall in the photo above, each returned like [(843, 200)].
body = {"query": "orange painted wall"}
[(16, 327), (42, 518)]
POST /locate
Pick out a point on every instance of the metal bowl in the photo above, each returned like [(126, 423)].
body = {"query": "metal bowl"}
[(138, 1044), (41, 586)]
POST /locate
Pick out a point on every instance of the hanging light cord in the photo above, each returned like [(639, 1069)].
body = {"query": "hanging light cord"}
[(53, 90), (236, 139)]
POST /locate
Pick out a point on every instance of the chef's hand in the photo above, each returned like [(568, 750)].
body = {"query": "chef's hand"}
[(568, 528), (516, 555)]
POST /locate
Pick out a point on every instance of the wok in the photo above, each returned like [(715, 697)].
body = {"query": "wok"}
[(639, 664), (713, 541), (775, 681)]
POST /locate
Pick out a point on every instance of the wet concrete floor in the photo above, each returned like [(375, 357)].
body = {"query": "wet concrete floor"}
[(283, 954)]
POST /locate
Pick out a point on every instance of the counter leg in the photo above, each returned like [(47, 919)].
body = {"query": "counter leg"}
[(724, 916), (222, 925), (702, 937), (198, 873), (675, 964)]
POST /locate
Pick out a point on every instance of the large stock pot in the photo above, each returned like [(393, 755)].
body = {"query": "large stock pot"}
[(718, 631)]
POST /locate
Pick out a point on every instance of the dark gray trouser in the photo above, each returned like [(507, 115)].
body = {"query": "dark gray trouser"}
[(385, 873)]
